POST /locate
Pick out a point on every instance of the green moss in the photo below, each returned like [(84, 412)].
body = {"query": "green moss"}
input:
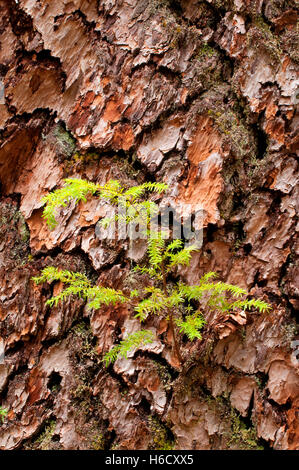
[(290, 331), (258, 382), (86, 157), (114, 446), (207, 67), (261, 37), (43, 441), (159, 6), (206, 51), (243, 334), (81, 391), (164, 375), (14, 232), (220, 404), (257, 166), (291, 43), (242, 437), (261, 24), (128, 168), (232, 126), (81, 329), (227, 5), (23, 229), (207, 70), (87, 349), (238, 435), (208, 351), (98, 442), (161, 441), (65, 143), (176, 30), (240, 170)]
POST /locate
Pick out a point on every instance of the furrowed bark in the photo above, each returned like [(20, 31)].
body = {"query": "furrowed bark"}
[(201, 95)]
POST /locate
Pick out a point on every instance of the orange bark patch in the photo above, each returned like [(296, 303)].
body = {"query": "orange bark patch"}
[(114, 109), (204, 182), (123, 137), (88, 99), (35, 387), (13, 156), (288, 19), (79, 118), (271, 110), (275, 129), (205, 141)]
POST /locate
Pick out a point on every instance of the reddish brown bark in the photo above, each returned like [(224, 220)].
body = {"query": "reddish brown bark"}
[(201, 95)]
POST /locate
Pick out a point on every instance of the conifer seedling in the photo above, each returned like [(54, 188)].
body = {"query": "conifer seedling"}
[(183, 306)]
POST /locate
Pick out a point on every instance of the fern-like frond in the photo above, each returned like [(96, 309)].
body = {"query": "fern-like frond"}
[(74, 190), (106, 221), (134, 293), (206, 277), (182, 257), (155, 304), (133, 341), (155, 187), (175, 299), (65, 294), (50, 274), (97, 296), (174, 245), (249, 304), (196, 292), (191, 326), (136, 192), (112, 191), (235, 291), (152, 272), (79, 285), (136, 211), (155, 251)]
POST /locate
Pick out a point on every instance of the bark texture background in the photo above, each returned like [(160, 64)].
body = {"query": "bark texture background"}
[(201, 95)]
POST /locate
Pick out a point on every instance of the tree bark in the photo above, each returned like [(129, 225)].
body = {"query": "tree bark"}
[(201, 95), (176, 347)]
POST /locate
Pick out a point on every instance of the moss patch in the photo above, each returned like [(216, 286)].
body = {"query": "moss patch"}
[(14, 233), (260, 37), (160, 435), (44, 439), (65, 143), (242, 437), (232, 126), (87, 349)]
